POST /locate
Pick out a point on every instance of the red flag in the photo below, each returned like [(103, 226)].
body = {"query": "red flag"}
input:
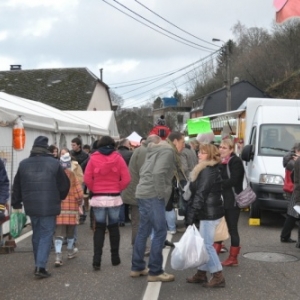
[(286, 9)]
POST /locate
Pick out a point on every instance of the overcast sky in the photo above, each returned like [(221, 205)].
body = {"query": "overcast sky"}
[(93, 34)]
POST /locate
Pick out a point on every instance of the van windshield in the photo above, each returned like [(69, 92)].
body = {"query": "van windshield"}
[(277, 140)]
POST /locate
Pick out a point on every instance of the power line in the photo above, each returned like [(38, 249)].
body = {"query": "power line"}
[(158, 30), (174, 24), (160, 26), (164, 75), (135, 100)]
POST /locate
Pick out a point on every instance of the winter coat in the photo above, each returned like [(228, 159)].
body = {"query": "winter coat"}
[(235, 181), (80, 156), (297, 181), (189, 160), (125, 153), (106, 173), (206, 186), (157, 172), (40, 184), (161, 130), (69, 214), (4, 184), (137, 160)]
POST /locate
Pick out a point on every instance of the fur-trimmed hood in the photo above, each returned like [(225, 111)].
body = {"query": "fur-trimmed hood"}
[(201, 165)]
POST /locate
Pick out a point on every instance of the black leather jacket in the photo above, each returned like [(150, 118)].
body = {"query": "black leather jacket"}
[(40, 184), (206, 202)]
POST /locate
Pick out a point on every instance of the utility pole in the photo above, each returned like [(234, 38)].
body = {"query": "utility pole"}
[(228, 74)]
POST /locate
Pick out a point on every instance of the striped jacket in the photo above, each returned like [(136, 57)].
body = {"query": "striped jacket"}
[(69, 214)]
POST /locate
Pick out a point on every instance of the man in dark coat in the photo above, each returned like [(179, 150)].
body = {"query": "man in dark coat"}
[(124, 150), (4, 190), (40, 185)]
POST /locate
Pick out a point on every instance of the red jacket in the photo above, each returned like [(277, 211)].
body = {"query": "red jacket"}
[(161, 130), (106, 173), (288, 185)]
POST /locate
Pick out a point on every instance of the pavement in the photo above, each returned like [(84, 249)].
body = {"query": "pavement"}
[(252, 279)]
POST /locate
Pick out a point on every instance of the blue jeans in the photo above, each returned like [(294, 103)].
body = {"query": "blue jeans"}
[(101, 214), (122, 214), (152, 215), (207, 231), (171, 220), (43, 229)]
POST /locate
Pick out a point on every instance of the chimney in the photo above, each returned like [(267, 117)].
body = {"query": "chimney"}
[(101, 74), (15, 67)]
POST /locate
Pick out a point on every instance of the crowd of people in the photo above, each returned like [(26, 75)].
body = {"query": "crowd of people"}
[(137, 186)]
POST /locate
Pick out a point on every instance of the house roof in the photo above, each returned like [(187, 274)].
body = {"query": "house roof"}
[(240, 91), (64, 88)]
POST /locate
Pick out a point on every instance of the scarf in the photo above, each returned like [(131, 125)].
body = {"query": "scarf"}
[(225, 160)]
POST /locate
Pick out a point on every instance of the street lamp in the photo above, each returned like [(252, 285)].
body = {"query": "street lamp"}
[(228, 80)]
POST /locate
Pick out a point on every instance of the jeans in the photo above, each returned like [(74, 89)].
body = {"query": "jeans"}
[(101, 213), (171, 220), (135, 220), (43, 229), (152, 215), (122, 214), (207, 231)]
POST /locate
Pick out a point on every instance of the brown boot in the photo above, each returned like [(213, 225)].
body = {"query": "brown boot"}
[(232, 261), (199, 277), (216, 281), (218, 247)]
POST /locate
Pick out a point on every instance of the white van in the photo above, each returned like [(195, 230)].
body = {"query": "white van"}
[(272, 128)]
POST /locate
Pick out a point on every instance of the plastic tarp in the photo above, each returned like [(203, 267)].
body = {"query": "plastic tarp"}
[(104, 119), (134, 139), (41, 116)]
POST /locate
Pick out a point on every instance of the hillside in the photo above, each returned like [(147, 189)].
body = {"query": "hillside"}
[(288, 88)]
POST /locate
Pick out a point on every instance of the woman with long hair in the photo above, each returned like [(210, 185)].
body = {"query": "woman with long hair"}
[(206, 205), (106, 175), (232, 172)]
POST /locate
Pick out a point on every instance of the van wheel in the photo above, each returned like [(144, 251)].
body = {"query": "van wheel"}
[(255, 212)]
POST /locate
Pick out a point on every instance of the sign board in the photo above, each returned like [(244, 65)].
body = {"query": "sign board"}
[(198, 125)]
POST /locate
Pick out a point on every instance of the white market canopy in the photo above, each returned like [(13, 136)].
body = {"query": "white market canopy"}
[(41, 116), (134, 138), (104, 119)]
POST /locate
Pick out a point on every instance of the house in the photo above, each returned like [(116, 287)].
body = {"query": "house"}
[(175, 115), (62, 88), (215, 102)]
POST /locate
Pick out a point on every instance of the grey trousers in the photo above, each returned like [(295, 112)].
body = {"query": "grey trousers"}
[(135, 221)]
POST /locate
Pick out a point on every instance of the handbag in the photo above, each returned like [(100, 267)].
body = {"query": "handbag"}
[(190, 251), (187, 192), (247, 196), (221, 233), (16, 223)]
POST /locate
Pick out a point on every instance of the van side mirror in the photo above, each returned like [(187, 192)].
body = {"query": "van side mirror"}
[(247, 153)]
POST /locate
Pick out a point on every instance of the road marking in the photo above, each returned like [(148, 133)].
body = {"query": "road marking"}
[(23, 236), (153, 288)]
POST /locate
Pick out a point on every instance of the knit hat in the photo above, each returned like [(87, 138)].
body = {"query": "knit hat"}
[(41, 141), (161, 120), (65, 161)]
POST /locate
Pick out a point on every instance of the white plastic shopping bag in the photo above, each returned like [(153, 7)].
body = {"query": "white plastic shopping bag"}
[(190, 251)]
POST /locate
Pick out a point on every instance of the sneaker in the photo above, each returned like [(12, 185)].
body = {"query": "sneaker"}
[(72, 253), (172, 231), (58, 260), (164, 277), (297, 208), (139, 273), (42, 273)]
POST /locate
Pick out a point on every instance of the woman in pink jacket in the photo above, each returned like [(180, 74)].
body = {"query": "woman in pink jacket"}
[(106, 175)]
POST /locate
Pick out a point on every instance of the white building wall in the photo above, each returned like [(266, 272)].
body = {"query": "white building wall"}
[(100, 100)]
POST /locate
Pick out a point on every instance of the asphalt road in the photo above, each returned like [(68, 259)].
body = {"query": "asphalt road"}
[(76, 279)]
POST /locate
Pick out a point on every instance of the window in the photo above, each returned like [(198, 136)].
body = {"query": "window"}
[(277, 139)]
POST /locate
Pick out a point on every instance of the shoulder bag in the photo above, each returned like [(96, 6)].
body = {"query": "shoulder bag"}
[(247, 196)]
